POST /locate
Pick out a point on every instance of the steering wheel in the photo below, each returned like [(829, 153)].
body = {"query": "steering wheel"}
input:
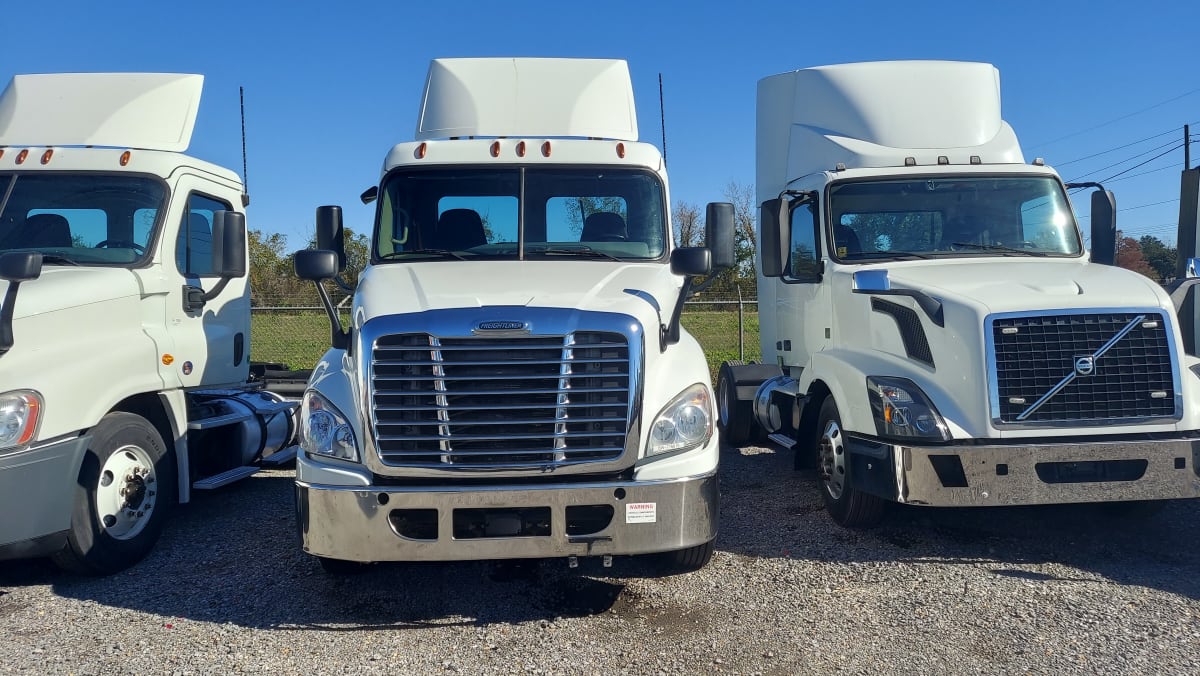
[(120, 244)]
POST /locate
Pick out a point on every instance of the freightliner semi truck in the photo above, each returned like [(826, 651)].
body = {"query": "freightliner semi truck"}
[(513, 381), (934, 331), (125, 319)]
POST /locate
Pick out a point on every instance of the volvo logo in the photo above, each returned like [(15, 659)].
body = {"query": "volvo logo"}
[(502, 325), (1085, 366)]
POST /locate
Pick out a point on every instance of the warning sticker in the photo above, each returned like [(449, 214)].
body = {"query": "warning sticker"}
[(641, 512)]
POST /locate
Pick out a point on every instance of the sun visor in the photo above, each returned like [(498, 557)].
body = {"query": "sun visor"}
[(150, 111)]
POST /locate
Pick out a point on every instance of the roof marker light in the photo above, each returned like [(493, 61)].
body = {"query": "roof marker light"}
[(976, 160), (521, 149), (839, 167), (420, 152), (47, 155), (1039, 162), (1, 153), (495, 149), (125, 158), (546, 149), (942, 159), (621, 150), (22, 155), (910, 161)]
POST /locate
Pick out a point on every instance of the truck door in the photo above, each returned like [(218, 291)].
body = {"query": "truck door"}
[(211, 338), (802, 304)]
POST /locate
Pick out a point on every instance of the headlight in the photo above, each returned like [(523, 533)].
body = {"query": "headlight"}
[(20, 413), (683, 424), (324, 430), (903, 411)]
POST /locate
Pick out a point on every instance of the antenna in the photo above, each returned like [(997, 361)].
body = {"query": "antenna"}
[(662, 115), (245, 176)]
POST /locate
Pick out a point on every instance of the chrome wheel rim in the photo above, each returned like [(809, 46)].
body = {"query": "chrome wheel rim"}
[(832, 452)]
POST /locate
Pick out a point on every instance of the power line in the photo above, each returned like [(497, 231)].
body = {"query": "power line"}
[(1120, 147), (1118, 163), (1116, 119)]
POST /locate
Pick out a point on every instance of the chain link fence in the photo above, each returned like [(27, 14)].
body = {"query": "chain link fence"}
[(296, 333)]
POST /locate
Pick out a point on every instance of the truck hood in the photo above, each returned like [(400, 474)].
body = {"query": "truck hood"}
[(62, 287), (1007, 285), (645, 290)]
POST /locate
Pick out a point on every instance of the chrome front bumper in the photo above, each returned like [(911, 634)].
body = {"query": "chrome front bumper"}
[(1028, 474), (356, 523)]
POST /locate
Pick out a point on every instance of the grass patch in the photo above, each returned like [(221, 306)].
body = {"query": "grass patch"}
[(298, 338)]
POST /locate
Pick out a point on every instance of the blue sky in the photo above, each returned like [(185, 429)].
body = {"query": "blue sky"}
[(330, 87)]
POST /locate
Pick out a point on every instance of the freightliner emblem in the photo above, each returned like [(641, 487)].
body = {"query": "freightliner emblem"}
[(502, 325)]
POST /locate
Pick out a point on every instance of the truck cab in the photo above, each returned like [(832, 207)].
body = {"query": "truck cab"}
[(514, 382), (934, 331), (125, 324)]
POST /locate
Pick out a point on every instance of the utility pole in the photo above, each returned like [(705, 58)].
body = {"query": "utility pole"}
[(1187, 148)]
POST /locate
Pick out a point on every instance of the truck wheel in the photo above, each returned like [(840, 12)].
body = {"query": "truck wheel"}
[(686, 560), (849, 507), (125, 491), (733, 415)]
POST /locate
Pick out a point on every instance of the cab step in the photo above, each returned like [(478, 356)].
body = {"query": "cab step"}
[(225, 478), (783, 440), (281, 457)]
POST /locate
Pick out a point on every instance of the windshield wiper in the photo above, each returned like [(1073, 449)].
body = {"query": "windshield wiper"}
[(55, 259), (440, 253), (999, 248), (885, 254), (583, 252)]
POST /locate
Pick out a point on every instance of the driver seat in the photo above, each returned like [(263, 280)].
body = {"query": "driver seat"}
[(44, 231)]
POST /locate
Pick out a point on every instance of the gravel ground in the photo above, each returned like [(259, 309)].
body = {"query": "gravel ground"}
[(1046, 590)]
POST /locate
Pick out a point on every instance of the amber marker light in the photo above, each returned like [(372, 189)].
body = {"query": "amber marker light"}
[(125, 157), (495, 149), (22, 155), (167, 360), (546, 149), (1, 153), (521, 149), (420, 153), (621, 150), (47, 155)]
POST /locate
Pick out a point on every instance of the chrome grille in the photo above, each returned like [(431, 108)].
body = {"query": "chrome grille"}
[(1042, 374), (500, 402)]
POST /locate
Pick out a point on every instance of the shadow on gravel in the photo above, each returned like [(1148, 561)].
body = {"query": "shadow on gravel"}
[(232, 556), (769, 510)]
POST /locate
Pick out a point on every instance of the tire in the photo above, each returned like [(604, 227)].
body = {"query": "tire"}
[(733, 415), (686, 560), (339, 567), (125, 492), (849, 507)]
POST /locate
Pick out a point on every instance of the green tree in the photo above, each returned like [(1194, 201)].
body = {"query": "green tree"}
[(1159, 255)]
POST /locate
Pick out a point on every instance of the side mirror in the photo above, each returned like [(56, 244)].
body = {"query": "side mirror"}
[(229, 244), (16, 267), (316, 264), (329, 234), (772, 223), (691, 260), (369, 195), (1104, 227), (719, 236), (20, 266)]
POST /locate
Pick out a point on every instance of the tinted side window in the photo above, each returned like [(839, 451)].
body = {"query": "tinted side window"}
[(193, 250), (803, 258)]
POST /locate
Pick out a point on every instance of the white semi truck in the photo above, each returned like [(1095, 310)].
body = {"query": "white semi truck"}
[(125, 324), (933, 331), (514, 382)]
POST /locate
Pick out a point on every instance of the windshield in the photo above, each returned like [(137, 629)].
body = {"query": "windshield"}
[(513, 212), (85, 219), (948, 216)]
